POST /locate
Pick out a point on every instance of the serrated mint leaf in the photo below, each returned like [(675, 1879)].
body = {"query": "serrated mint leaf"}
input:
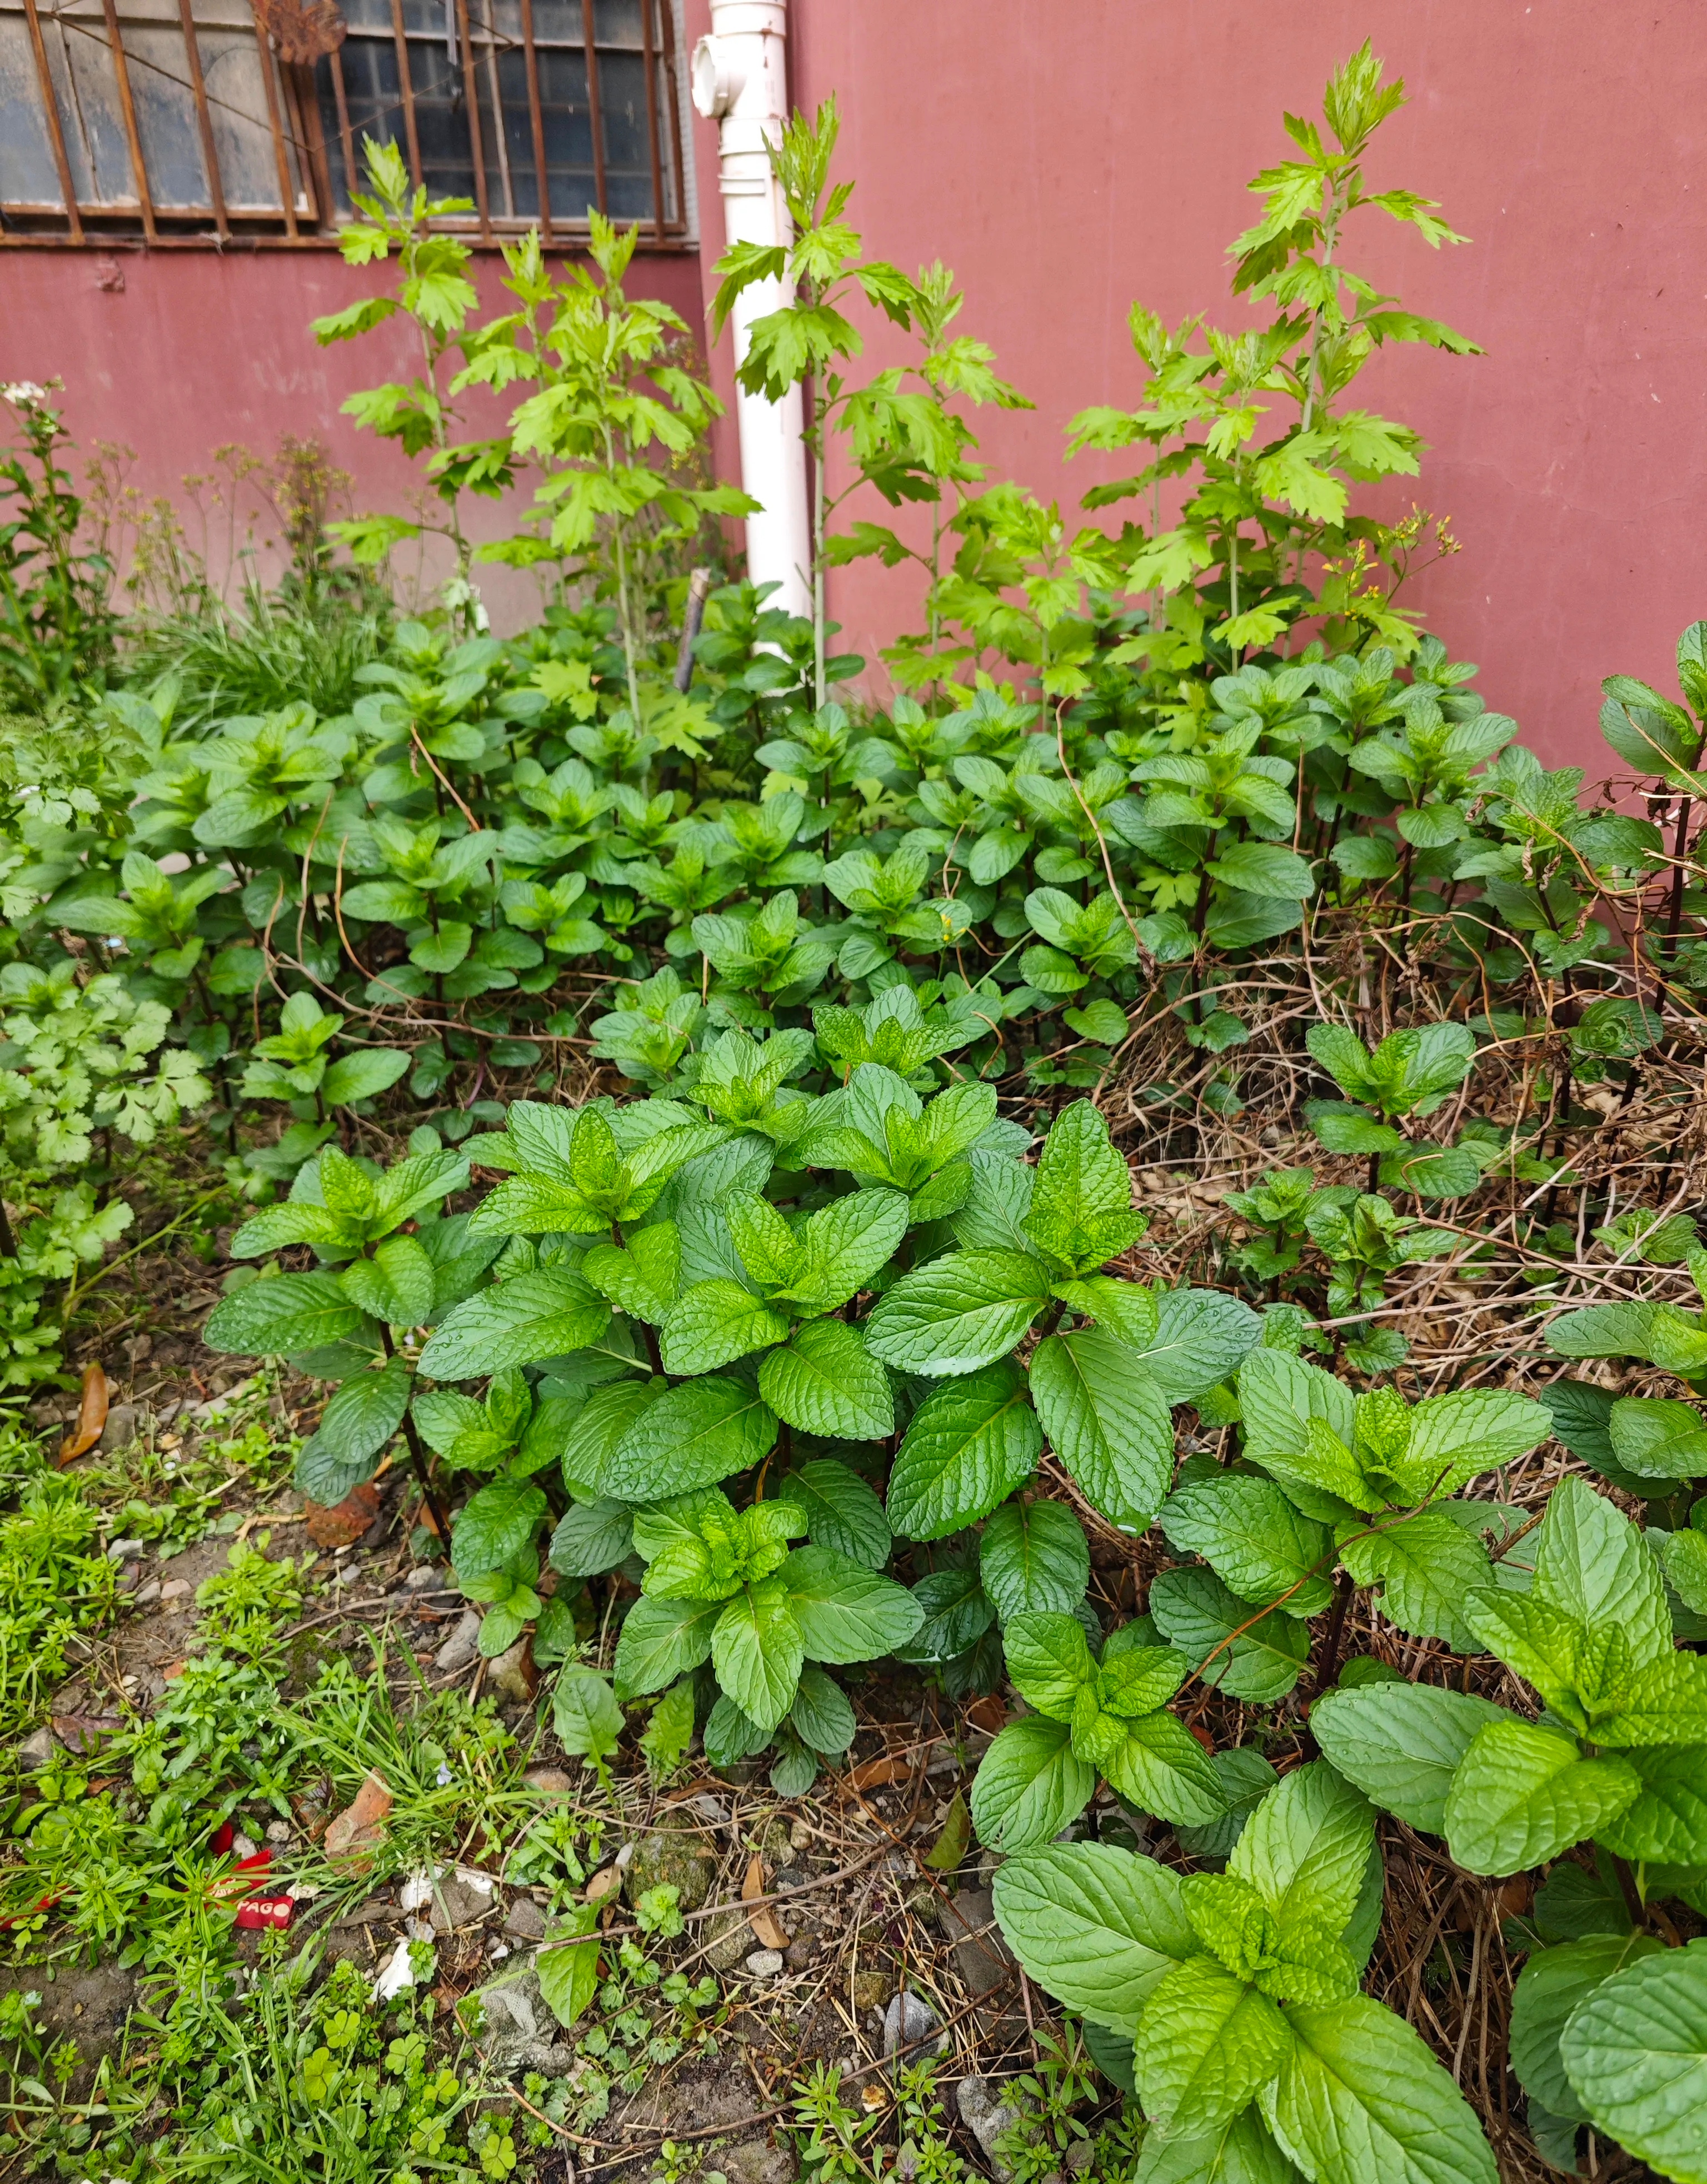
[(1049, 1661), (662, 1640), (1665, 1703), (825, 1382), (396, 1285), (599, 1426), (1159, 1767), (1635, 2052), (1359, 2097), (1602, 1330), (1107, 1421), (841, 1510), (993, 1216), (1242, 2153), (585, 1716), (954, 1613), (354, 1428), (1548, 1990), (644, 1276), (1305, 1850), (1201, 1338), (1424, 1566), (958, 1312), (1455, 1437), (966, 1448), (1034, 1557), (1097, 1927), (1246, 1778), (821, 1715), (1400, 1744), (757, 1651), (592, 1537), (1254, 1540), (1522, 1794), (1194, 1611), (282, 1314), (1029, 1784), (697, 1433), (1081, 1202), (845, 1244), (1657, 1438), (496, 1527), (845, 1612), (714, 1322), (731, 1735), (1593, 1565), (1667, 1824), (1205, 2044), (515, 1322)]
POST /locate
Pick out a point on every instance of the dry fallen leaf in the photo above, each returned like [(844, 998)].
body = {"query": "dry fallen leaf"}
[(876, 1772), (357, 1830), (762, 1921), (988, 1713), (91, 1417), (345, 1522), (602, 1884)]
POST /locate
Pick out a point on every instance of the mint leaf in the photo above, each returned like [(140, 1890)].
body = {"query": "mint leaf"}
[(1591, 1565), (355, 1426), (1029, 1784), (1426, 1566), (1667, 1824), (1201, 1338), (1097, 1927), (825, 1382), (757, 1649), (1107, 1421), (1550, 1986), (714, 1322), (967, 1447), (1034, 1557), (662, 1640), (1194, 1611), (1305, 1850), (1242, 2152), (1205, 2044), (599, 1428), (1522, 1794), (1401, 1744), (697, 1433), (1049, 1661), (592, 1537), (1160, 1768), (1254, 1540), (845, 1612), (1636, 2054), (515, 1322), (282, 1315), (496, 1526), (958, 1312), (841, 1510), (1359, 2097), (820, 1716)]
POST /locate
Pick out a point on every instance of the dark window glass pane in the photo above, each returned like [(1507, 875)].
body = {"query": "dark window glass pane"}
[(627, 146)]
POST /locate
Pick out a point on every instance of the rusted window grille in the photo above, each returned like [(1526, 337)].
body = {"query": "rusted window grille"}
[(227, 119)]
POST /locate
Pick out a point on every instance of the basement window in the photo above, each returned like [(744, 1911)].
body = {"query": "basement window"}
[(233, 120)]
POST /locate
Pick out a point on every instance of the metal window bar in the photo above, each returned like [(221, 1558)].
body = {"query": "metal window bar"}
[(536, 104)]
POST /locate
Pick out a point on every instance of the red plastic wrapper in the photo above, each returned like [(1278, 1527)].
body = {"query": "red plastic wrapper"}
[(274, 1911)]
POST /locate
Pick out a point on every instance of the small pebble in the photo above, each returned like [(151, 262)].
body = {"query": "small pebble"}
[(147, 1595), (175, 1588), (764, 1963), (121, 1551)]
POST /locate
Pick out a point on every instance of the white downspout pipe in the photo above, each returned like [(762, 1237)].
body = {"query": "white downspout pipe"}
[(740, 81)]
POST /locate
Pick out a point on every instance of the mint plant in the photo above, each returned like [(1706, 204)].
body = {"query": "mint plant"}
[(1251, 2044)]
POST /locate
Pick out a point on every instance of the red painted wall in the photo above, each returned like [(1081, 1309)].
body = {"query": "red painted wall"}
[(1065, 156), (174, 353)]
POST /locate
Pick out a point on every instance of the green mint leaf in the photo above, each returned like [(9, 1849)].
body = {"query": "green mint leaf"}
[(282, 1315), (841, 1512), (966, 1448), (845, 1612), (1521, 1795), (1029, 1784), (1096, 1927), (515, 1322), (1205, 2044), (757, 1650), (1424, 1566), (1254, 1540), (660, 1641), (714, 1322), (1593, 1565), (1400, 1744), (958, 1312), (1194, 1611), (1107, 1420), (1358, 2096), (825, 1381), (1548, 1990), (1034, 1558), (697, 1433), (1635, 2052)]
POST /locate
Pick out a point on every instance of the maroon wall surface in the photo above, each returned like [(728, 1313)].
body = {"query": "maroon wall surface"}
[(175, 353), (1066, 156)]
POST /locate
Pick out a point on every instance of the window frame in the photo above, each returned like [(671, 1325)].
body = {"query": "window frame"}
[(310, 213)]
